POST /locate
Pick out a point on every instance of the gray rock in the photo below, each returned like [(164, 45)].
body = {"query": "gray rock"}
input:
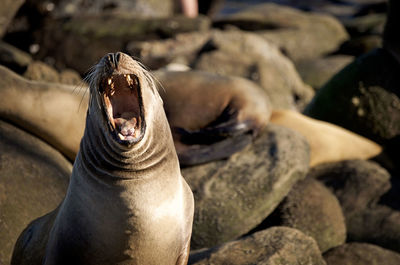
[(361, 254), (234, 195), (138, 8), (182, 48), (274, 246), (303, 36), (359, 185), (81, 41), (379, 225), (40, 71), (317, 72), (14, 58), (33, 180), (363, 98), (361, 45), (247, 55), (312, 208), (7, 11)]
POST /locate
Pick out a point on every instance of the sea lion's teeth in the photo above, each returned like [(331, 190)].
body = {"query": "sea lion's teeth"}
[(109, 81), (112, 92), (121, 136), (128, 78)]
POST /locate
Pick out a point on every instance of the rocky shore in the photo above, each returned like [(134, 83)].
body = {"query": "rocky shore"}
[(321, 190)]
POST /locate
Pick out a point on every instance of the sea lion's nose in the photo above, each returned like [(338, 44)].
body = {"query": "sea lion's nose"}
[(113, 59)]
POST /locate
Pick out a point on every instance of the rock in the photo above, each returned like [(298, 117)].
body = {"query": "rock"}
[(361, 254), (359, 185), (311, 208), (7, 12), (247, 55), (363, 98), (70, 77), (138, 8), (360, 45), (181, 48), (234, 195), (317, 72), (67, 41), (34, 179), (379, 225), (14, 58), (274, 246), (371, 24), (40, 71), (303, 36)]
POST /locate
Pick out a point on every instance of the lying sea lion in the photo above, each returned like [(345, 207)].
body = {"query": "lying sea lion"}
[(328, 142), (127, 202), (53, 112), (211, 116)]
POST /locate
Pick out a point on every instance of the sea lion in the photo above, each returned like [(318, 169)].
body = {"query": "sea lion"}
[(127, 202), (211, 116), (328, 142), (53, 112)]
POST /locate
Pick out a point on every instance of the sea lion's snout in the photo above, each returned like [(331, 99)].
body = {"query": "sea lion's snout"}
[(121, 96), (113, 59)]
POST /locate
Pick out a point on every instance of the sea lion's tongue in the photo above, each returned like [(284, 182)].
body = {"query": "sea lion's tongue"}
[(121, 94)]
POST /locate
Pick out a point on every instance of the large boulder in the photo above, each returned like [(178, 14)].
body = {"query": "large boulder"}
[(359, 185), (244, 54), (301, 35), (8, 9), (361, 254), (33, 180), (182, 48), (274, 246), (139, 8), (365, 98), (313, 209), (234, 195), (316, 72), (80, 42)]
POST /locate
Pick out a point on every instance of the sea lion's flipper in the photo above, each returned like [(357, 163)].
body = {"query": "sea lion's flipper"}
[(226, 125), (198, 154), (30, 247)]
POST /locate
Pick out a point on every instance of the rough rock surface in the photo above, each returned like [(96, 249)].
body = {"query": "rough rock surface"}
[(317, 72), (274, 246), (40, 71), (33, 180), (139, 8), (181, 48), (303, 36), (359, 185), (234, 195), (244, 54), (361, 254), (7, 11), (312, 208), (364, 97), (67, 41)]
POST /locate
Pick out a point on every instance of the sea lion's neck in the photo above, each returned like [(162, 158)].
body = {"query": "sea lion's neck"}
[(104, 158)]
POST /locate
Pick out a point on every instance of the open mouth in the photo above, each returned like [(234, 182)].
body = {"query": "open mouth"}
[(123, 107)]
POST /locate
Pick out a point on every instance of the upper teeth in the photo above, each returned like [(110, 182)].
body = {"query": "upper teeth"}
[(109, 81)]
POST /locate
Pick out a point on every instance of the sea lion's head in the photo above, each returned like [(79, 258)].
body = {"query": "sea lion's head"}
[(123, 95)]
